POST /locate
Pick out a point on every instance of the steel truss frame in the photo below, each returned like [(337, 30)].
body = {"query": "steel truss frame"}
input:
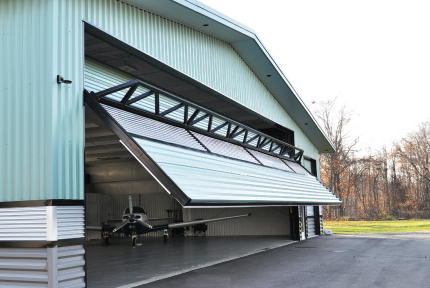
[(234, 129)]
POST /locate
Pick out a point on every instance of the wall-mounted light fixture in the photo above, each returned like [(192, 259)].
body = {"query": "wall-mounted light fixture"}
[(60, 80)]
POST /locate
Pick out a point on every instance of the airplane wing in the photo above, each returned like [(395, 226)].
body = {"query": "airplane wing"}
[(156, 219), (114, 220), (99, 228), (197, 222), (119, 226), (94, 228)]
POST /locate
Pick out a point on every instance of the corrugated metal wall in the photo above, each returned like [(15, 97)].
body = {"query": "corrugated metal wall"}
[(263, 221), (99, 76), (39, 223), (21, 267), (196, 54), (70, 222), (42, 267), (42, 122), (24, 223), (41, 143), (71, 266)]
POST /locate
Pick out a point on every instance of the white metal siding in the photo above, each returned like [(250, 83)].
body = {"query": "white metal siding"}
[(71, 266), (310, 222), (37, 224), (70, 222), (21, 267), (208, 178), (23, 224)]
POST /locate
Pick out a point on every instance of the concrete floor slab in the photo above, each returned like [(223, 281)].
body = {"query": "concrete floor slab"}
[(369, 260), (119, 265)]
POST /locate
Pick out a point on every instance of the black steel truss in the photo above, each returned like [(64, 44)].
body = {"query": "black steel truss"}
[(273, 146)]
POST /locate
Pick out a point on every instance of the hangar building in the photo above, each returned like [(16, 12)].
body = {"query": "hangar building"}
[(167, 101)]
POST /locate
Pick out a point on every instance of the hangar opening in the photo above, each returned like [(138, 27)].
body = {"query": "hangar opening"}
[(156, 140)]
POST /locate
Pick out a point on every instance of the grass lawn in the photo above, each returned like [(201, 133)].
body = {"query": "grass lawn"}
[(359, 227)]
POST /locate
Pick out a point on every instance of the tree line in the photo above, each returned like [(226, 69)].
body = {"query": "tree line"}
[(393, 182)]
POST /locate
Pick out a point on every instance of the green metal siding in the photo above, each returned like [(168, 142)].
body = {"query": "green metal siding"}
[(42, 142), (99, 76), (41, 122), (205, 58)]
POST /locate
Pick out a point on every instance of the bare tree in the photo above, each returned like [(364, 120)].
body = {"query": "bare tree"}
[(335, 166)]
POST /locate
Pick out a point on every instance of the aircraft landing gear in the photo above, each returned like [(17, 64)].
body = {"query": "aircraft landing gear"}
[(166, 235), (134, 240), (106, 237)]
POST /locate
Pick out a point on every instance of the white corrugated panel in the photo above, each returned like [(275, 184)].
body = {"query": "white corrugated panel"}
[(207, 178), (23, 224), (297, 167), (71, 266), (269, 161), (70, 222), (32, 223), (150, 128), (224, 148), (23, 267), (310, 223)]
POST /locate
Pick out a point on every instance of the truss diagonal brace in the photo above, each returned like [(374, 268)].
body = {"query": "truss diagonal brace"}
[(129, 93), (298, 156), (140, 97), (193, 117), (252, 139), (117, 88), (233, 132), (237, 134), (219, 127), (199, 119), (170, 110)]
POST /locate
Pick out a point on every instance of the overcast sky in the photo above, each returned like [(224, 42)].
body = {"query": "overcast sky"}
[(374, 56)]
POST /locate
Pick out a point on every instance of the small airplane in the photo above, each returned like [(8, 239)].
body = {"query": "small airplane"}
[(134, 222)]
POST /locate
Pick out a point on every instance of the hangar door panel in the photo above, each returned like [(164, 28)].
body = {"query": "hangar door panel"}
[(208, 178), (196, 177), (200, 170)]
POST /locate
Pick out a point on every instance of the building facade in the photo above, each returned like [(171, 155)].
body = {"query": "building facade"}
[(64, 143)]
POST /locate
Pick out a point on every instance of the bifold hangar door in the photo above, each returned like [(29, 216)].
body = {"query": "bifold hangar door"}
[(199, 157)]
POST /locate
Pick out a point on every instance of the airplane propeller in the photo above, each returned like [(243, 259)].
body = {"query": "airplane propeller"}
[(131, 215), (130, 204), (120, 226)]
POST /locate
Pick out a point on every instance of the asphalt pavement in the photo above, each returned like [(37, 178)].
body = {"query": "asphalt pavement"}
[(367, 260)]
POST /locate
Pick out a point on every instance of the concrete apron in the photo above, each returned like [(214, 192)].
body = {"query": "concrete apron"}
[(121, 265)]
